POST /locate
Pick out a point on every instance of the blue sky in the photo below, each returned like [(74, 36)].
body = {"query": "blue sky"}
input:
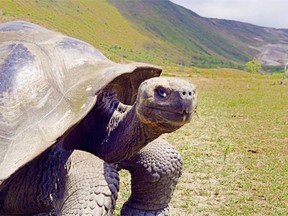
[(267, 13)]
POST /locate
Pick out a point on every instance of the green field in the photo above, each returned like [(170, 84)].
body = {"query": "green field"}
[(236, 151)]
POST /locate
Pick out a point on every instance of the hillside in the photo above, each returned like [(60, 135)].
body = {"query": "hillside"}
[(158, 32), (207, 42), (95, 22), (270, 44), (196, 38)]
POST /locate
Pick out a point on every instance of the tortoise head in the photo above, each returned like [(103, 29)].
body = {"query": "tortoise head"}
[(166, 103)]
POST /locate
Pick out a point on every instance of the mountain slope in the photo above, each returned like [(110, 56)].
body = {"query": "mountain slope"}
[(193, 35), (270, 44), (95, 22), (158, 32), (202, 38)]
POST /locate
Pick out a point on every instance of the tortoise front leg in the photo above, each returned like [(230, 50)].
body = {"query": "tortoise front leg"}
[(92, 186), (155, 171)]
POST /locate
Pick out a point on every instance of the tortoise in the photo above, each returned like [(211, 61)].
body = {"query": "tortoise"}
[(70, 118)]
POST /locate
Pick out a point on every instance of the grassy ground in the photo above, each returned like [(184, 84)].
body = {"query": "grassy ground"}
[(236, 152)]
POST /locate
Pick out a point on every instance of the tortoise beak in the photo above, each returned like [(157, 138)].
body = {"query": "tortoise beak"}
[(186, 103), (186, 97)]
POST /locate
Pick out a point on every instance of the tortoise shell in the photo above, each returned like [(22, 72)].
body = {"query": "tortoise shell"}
[(48, 83)]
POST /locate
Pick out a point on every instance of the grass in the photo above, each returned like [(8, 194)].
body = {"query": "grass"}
[(236, 152)]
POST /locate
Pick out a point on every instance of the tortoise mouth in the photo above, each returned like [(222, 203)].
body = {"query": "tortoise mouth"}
[(168, 116)]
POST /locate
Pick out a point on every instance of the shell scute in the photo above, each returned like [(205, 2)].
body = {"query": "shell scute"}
[(80, 47), (18, 57)]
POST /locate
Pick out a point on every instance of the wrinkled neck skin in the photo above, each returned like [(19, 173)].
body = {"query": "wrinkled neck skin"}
[(111, 131), (126, 135)]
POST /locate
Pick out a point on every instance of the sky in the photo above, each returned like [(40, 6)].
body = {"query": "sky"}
[(267, 13)]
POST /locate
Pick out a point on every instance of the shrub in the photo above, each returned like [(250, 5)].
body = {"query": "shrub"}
[(253, 66)]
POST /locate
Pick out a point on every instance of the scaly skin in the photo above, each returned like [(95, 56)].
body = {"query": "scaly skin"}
[(91, 186), (155, 171)]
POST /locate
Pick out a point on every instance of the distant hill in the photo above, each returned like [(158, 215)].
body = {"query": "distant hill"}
[(206, 41), (159, 32)]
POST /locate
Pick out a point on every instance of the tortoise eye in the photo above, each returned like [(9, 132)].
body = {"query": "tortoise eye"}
[(162, 92)]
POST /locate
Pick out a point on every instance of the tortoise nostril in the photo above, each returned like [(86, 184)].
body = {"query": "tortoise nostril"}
[(187, 93)]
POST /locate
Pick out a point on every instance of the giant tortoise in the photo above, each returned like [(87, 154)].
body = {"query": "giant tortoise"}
[(70, 119)]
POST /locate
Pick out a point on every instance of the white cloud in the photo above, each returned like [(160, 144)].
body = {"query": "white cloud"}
[(269, 13)]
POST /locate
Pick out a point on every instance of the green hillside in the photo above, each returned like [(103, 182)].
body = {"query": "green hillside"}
[(95, 22), (206, 42), (158, 32), (197, 40)]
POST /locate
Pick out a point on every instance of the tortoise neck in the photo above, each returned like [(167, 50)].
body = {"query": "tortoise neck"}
[(126, 135), (111, 131)]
